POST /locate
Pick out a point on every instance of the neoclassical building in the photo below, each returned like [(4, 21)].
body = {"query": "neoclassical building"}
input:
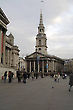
[(68, 66), (9, 53), (40, 61)]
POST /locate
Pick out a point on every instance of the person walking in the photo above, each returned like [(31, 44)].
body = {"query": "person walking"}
[(5, 76), (41, 74), (24, 76), (32, 75), (55, 77), (18, 75), (36, 75), (70, 81), (58, 77), (10, 76)]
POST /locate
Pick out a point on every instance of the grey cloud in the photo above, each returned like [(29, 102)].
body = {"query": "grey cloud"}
[(24, 19)]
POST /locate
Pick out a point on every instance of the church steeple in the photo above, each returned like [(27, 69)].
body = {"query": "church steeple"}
[(41, 19), (41, 45), (41, 28)]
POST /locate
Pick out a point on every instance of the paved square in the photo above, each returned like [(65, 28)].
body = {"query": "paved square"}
[(36, 95)]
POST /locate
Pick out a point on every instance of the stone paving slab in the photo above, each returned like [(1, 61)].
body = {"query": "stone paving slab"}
[(36, 95)]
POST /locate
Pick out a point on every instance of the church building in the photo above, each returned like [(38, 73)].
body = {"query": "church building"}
[(40, 60)]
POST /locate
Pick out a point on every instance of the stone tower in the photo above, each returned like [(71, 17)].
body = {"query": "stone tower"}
[(41, 40)]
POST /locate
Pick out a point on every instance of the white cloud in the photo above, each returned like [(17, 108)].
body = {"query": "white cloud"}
[(60, 34), (57, 20)]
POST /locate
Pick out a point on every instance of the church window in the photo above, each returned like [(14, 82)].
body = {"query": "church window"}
[(41, 30), (39, 48), (45, 42), (36, 50), (39, 42)]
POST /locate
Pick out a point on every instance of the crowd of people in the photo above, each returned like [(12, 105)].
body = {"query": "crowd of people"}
[(8, 74), (20, 75), (23, 75)]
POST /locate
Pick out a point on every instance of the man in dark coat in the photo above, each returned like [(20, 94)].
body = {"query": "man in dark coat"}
[(70, 81), (5, 76), (10, 76), (18, 75), (24, 76)]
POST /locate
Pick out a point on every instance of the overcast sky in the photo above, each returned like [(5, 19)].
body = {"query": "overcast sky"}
[(24, 16)]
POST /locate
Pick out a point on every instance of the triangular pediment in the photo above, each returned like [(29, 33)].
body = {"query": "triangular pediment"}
[(35, 54), (40, 55)]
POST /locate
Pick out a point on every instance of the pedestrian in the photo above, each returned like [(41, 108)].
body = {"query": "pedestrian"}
[(28, 75), (5, 76), (10, 76), (24, 76), (55, 77), (58, 77), (41, 74), (70, 81), (18, 75), (32, 75), (36, 75)]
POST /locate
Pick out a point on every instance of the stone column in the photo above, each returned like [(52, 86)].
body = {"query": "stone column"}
[(34, 66), (53, 65), (13, 59), (4, 40), (8, 56), (38, 66), (47, 66), (26, 65), (42, 66), (0, 43), (30, 66)]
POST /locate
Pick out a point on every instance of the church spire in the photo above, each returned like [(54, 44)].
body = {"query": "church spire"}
[(41, 40), (41, 26), (41, 19)]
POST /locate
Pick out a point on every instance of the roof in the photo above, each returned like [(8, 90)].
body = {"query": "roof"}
[(3, 17), (47, 56)]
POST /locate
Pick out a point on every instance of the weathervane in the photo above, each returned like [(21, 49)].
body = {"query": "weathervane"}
[(42, 0)]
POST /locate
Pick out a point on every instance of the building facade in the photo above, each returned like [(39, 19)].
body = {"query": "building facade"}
[(22, 63), (68, 66), (9, 53), (40, 61)]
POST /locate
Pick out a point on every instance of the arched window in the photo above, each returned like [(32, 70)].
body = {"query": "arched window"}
[(40, 30), (39, 48), (39, 42), (45, 42)]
